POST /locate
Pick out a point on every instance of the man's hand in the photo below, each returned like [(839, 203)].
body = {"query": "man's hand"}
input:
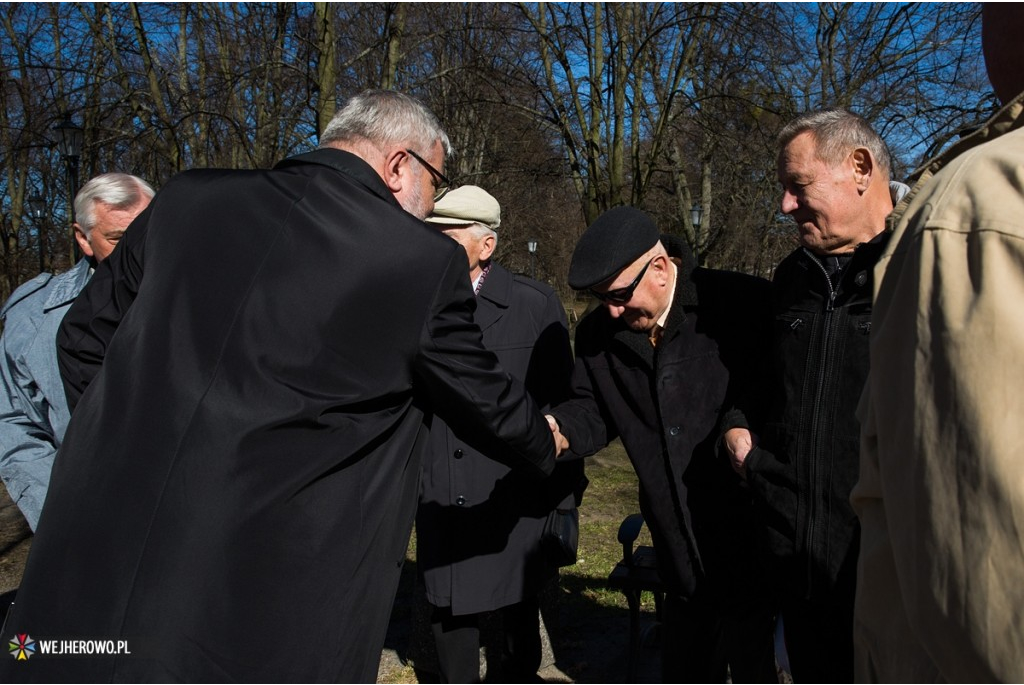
[(561, 443), (738, 443)]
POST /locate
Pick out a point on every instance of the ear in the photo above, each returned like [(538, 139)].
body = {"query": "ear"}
[(660, 268), (83, 242), (393, 171), (487, 246), (863, 167)]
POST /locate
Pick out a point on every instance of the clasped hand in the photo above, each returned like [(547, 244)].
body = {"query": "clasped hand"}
[(561, 442)]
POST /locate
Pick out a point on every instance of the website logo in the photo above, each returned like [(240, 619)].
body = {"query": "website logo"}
[(22, 647)]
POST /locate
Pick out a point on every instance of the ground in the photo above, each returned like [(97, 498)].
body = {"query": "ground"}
[(15, 540)]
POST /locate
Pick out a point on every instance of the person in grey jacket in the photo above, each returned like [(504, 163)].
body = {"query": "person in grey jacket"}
[(33, 410)]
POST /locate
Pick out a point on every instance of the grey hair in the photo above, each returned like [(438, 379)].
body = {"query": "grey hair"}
[(384, 118), (118, 190), (837, 132), (479, 231)]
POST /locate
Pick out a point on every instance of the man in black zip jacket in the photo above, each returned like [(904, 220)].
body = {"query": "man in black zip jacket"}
[(796, 438)]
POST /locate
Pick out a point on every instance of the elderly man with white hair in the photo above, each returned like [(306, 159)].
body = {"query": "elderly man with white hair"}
[(33, 410)]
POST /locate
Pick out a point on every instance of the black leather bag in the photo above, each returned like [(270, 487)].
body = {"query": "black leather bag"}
[(560, 539)]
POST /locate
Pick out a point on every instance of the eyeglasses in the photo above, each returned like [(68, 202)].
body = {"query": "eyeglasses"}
[(441, 183), (622, 295)]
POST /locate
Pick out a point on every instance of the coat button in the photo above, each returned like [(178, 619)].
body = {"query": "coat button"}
[(674, 430), (460, 501), (457, 454), (861, 278)]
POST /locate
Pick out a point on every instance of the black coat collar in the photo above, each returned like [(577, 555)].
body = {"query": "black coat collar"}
[(497, 292), (347, 163)]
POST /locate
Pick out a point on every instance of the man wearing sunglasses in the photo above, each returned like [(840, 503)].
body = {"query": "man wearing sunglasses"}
[(655, 365)]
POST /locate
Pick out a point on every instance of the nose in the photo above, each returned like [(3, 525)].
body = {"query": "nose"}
[(789, 203), (615, 310)]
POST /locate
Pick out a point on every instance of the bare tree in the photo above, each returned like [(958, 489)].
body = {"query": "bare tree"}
[(561, 110)]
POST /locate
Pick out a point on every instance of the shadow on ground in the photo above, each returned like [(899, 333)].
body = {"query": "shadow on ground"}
[(586, 640)]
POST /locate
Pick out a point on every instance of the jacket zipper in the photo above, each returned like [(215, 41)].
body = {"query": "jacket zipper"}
[(817, 437)]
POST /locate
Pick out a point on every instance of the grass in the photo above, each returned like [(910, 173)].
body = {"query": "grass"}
[(610, 497)]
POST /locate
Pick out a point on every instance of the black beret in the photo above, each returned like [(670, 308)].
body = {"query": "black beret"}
[(618, 238)]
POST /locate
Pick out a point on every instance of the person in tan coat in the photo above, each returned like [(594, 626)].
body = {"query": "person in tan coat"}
[(941, 490)]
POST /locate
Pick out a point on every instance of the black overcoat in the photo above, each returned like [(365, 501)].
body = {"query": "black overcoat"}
[(237, 486), (479, 523), (666, 404)]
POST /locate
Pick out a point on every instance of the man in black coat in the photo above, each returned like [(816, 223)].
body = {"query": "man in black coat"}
[(480, 522), (238, 482), (835, 175), (656, 366)]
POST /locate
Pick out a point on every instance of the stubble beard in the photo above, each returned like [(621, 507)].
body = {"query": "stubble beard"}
[(415, 204)]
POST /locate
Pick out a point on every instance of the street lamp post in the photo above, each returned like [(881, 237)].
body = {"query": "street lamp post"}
[(37, 208), (699, 237), (70, 146), (696, 214), (531, 245)]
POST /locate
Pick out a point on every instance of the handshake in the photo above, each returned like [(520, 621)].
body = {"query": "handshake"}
[(561, 443)]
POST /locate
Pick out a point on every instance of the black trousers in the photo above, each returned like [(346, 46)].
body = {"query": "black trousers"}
[(702, 643), (458, 643), (819, 639), (819, 630)]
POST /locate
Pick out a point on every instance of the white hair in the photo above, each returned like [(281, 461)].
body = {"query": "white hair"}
[(479, 231), (121, 191)]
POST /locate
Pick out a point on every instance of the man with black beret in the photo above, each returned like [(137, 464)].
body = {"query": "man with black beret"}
[(655, 366)]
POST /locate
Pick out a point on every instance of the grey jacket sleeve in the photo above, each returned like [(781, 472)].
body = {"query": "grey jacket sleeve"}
[(28, 443)]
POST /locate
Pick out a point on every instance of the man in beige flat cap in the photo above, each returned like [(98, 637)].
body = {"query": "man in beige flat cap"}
[(480, 526)]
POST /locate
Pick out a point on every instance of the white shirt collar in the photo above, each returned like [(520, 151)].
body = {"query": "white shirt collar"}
[(672, 295)]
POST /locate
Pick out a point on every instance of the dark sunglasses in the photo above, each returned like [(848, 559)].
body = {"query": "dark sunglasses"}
[(622, 295), (441, 183)]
